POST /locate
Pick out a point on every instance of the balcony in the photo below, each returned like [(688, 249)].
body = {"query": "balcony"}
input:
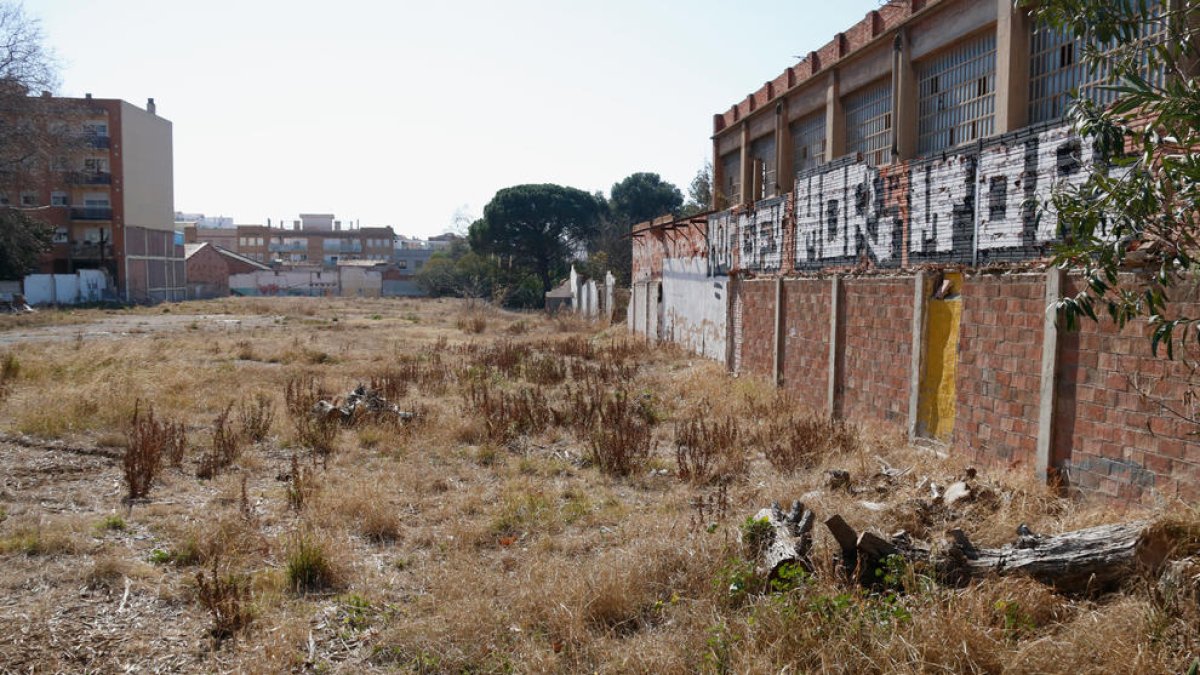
[(88, 250), (91, 213), (91, 178), (95, 141)]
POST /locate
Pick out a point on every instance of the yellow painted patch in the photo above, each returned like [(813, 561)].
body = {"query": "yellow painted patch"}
[(935, 410)]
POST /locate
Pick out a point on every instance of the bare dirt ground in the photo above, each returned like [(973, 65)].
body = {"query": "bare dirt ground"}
[(492, 534)]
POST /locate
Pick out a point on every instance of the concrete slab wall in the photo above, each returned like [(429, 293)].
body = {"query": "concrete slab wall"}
[(695, 307)]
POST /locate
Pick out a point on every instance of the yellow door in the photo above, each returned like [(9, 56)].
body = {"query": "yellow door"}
[(935, 410)]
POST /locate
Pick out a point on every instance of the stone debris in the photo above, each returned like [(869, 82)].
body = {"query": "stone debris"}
[(359, 403)]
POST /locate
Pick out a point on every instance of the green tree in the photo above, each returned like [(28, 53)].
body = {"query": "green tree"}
[(638, 198), (22, 240), (536, 228), (700, 191), (644, 196), (1139, 208)]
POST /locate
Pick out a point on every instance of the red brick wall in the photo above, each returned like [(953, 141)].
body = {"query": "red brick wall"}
[(758, 326), (207, 274), (876, 352), (999, 368), (1112, 439), (806, 310)]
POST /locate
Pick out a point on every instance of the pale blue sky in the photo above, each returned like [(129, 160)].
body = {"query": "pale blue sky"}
[(402, 113)]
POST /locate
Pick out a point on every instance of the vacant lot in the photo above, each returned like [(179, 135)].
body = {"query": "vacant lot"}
[(537, 514)]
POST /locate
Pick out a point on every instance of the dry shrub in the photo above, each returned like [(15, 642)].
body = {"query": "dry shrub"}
[(581, 409), (792, 440), (226, 597), (389, 384), (506, 415), (518, 327), (318, 433), (301, 485), (177, 443), (367, 507), (53, 537), (10, 369), (709, 450), (256, 418), (147, 440), (474, 323), (544, 371), (623, 437), (225, 449), (302, 392), (227, 536)]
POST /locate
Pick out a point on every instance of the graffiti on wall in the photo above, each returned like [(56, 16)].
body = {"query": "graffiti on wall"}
[(975, 205), (762, 235), (842, 215)]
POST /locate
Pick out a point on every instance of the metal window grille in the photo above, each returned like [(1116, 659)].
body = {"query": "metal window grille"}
[(731, 184), (956, 93), (763, 150), (808, 142), (869, 122), (1057, 69)]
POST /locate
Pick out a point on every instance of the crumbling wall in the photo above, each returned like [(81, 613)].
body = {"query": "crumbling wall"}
[(695, 307)]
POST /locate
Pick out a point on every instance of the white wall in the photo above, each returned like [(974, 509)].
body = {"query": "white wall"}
[(148, 165), (694, 311)]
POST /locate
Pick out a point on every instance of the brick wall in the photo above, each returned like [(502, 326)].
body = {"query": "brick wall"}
[(207, 274), (758, 326), (876, 348), (806, 310), (999, 368), (1109, 437)]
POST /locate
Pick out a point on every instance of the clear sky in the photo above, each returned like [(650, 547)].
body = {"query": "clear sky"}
[(403, 113)]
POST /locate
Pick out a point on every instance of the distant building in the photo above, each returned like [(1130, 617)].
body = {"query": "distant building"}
[(209, 268), (202, 221), (309, 242), (111, 202)]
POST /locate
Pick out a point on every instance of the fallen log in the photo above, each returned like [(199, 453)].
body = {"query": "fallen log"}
[(790, 539), (1085, 561)]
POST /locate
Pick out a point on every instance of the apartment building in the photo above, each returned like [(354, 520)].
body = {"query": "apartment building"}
[(109, 194), (315, 244)]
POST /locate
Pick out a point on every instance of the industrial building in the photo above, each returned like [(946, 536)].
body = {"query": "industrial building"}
[(876, 247)]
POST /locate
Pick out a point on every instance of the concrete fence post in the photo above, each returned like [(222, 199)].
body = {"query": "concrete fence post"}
[(835, 337), (777, 354), (1048, 393), (918, 355)]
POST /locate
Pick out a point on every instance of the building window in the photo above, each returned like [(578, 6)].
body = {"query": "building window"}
[(731, 178), (95, 165), (869, 123), (956, 93), (402, 264), (1058, 70), (59, 199), (808, 142), (95, 128), (3, 200), (29, 199), (762, 152)]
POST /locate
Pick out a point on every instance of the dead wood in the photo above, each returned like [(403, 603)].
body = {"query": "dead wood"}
[(1086, 561), (790, 541)]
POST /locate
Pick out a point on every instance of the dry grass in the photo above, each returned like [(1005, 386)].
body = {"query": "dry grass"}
[(532, 521)]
